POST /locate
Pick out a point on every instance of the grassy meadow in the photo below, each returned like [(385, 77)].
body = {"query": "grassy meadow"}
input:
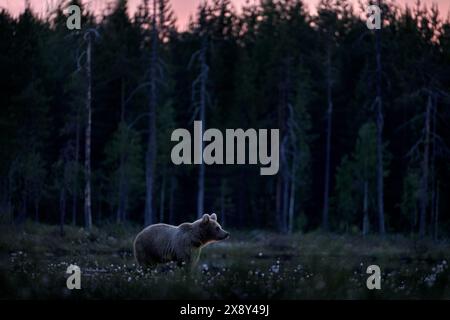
[(249, 265)]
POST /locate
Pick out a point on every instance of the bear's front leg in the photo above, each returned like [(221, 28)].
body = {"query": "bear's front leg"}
[(184, 261), (188, 260), (182, 257), (194, 256)]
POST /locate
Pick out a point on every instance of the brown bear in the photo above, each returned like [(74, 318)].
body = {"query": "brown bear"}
[(161, 242)]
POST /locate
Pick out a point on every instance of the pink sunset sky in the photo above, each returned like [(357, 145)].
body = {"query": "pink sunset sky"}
[(182, 8)]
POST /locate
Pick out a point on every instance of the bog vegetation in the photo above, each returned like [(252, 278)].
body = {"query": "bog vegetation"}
[(250, 265)]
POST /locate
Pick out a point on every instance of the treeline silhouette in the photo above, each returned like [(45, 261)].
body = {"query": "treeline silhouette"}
[(86, 116)]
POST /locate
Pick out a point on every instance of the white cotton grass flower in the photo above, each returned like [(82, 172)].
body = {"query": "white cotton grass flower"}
[(439, 268), (275, 268), (430, 280)]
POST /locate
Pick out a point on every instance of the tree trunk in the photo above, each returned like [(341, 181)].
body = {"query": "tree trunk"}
[(433, 172), (284, 176), (22, 214), (292, 193), (10, 188), (87, 160), (436, 216), (162, 198), (172, 199), (424, 179), (282, 179), (201, 172), (75, 184), (201, 190), (4, 198), (379, 124), (62, 210), (325, 218), (283, 184), (151, 143), (36, 210), (99, 208), (121, 194), (279, 202), (123, 149), (222, 202), (285, 201), (241, 198), (366, 209), (125, 201)]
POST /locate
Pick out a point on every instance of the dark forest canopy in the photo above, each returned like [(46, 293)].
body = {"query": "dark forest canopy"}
[(274, 65)]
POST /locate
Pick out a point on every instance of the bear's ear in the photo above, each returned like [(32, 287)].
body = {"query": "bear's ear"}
[(205, 218), (213, 217)]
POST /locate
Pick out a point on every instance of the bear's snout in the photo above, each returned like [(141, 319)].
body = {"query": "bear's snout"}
[(225, 236)]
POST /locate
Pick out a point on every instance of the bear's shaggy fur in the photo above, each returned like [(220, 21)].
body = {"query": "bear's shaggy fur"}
[(161, 242)]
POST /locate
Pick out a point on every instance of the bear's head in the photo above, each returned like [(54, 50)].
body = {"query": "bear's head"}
[(207, 229)]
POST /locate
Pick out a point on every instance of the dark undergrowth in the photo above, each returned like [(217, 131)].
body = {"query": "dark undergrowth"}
[(250, 265)]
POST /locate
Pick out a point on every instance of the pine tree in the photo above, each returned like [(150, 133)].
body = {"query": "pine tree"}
[(356, 180), (124, 178)]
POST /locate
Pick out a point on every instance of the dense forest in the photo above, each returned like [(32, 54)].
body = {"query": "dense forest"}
[(86, 116)]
